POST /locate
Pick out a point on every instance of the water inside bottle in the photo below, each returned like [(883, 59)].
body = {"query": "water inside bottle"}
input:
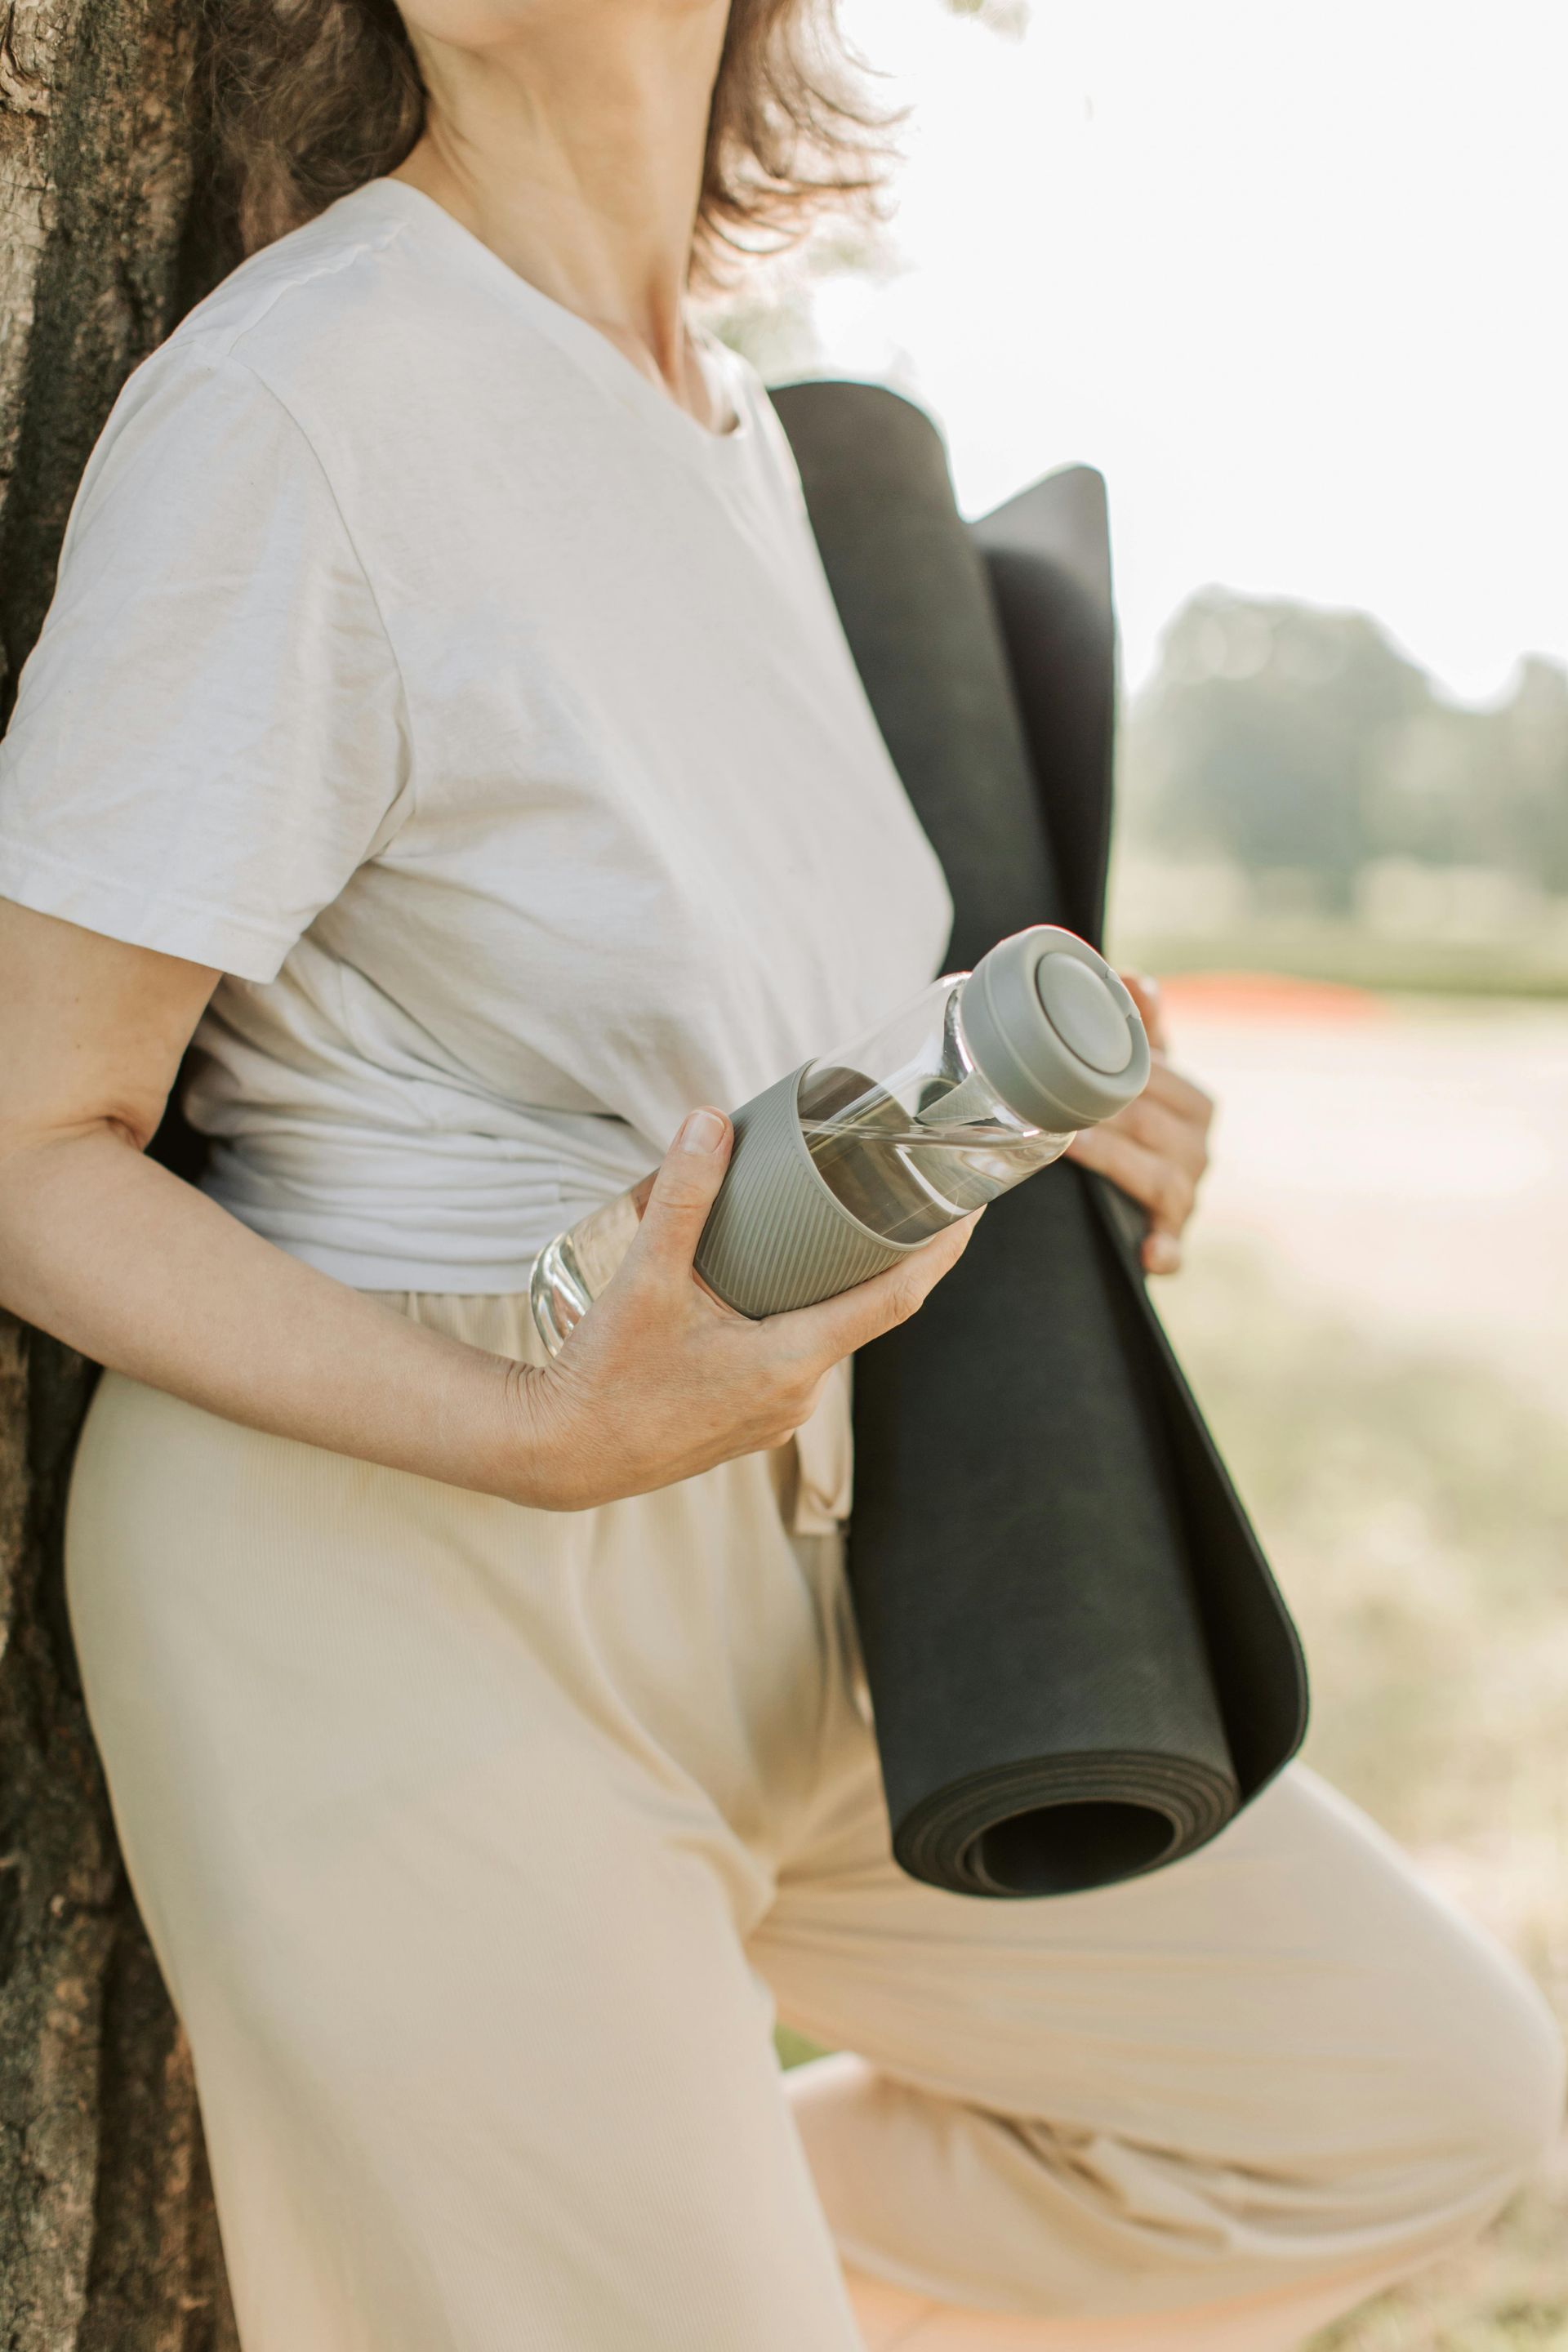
[(907, 1174)]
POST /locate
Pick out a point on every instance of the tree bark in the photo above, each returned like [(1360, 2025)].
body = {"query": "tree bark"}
[(108, 2242)]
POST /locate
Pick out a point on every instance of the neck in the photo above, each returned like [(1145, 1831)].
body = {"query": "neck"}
[(575, 153)]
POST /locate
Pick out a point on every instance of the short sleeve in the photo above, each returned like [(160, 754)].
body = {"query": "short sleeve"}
[(210, 734)]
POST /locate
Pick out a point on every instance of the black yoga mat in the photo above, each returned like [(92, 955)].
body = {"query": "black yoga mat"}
[(1045, 1706), (1079, 1666)]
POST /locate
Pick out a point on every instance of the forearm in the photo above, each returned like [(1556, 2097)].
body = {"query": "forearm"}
[(119, 1258)]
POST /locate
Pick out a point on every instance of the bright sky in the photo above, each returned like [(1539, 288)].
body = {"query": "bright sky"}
[(1292, 275)]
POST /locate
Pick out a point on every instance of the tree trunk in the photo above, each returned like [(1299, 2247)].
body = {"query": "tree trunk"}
[(107, 2237)]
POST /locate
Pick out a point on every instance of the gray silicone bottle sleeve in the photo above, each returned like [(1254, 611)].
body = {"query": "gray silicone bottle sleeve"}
[(775, 1236)]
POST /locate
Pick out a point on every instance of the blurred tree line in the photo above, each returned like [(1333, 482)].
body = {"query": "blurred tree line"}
[(1300, 742)]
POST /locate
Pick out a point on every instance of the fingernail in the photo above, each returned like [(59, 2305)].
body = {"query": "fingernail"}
[(703, 1130)]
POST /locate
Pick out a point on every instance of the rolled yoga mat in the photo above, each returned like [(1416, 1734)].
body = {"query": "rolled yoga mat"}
[(1045, 1706), (1078, 1665)]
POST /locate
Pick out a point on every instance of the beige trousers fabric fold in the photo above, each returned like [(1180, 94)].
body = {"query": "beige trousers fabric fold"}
[(482, 1848)]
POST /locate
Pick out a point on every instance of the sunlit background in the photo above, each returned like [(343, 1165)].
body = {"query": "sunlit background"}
[(1290, 277)]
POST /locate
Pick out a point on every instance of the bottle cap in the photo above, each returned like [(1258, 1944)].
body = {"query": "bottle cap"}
[(1053, 1031)]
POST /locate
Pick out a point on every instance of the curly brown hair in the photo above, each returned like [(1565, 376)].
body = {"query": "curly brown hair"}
[(308, 99)]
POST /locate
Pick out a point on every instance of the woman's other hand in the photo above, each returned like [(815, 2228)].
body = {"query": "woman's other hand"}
[(659, 1381), (1157, 1149)]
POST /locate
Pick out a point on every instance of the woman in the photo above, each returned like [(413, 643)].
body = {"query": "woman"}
[(442, 717)]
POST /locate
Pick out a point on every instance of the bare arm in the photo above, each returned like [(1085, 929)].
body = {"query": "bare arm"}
[(120, 1259)]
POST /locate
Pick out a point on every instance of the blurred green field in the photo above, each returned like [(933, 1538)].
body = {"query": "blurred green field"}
[(1416, 1510), (1414, 1500)]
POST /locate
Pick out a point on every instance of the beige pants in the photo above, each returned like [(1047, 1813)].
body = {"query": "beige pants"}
[(481, 1847)]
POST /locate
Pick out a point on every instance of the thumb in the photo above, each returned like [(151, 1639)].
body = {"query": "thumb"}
[(683, 1190)]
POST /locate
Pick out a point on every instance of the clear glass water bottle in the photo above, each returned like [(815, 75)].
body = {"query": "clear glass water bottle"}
[(861, 1155)]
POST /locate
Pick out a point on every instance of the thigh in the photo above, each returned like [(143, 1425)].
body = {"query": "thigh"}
[(449, 1871)]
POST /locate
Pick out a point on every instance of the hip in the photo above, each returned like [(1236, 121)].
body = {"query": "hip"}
[(253, 1612)]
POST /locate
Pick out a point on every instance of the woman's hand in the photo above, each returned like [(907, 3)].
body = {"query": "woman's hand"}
[(1157, 1149), (660, 1380)]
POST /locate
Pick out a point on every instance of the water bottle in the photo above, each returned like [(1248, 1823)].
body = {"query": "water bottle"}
[(854, 1159)]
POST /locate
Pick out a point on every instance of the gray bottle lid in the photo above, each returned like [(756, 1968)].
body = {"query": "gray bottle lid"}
[(1053, 1030)]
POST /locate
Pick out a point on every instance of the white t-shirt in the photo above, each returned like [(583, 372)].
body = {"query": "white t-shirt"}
[(487, 721)]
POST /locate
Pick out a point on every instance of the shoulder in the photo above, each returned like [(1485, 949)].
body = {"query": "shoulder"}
[(249, 384), (285, 292), (306, 324), (330, 292)]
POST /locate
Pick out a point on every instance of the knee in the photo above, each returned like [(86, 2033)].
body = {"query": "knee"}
[(1525, 2116), (1497, 2080)]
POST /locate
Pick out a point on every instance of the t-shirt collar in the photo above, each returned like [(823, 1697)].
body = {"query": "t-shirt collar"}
[(574, 335)]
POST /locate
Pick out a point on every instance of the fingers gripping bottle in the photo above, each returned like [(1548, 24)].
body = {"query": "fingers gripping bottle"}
[(854, 1160)]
